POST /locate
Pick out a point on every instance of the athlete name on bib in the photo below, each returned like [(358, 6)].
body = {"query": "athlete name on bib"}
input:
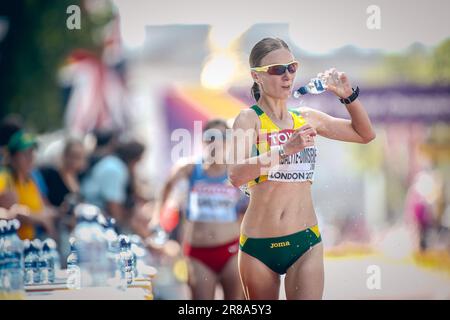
[(213, 202), (296, 167)]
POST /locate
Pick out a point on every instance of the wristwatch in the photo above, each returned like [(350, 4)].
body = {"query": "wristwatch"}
[(281, 152), (351, 97)]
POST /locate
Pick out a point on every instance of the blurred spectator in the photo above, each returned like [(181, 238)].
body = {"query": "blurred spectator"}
[(64, 190), (423, 207), (8, 126), (106, 143), (64, 180), (19, 186), (110, 183)]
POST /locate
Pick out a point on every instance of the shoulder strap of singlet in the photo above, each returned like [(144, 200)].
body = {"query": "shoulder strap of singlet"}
[(258, 110), (266, 122), (295, 111)]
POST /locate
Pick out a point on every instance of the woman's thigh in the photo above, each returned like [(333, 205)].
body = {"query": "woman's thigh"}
[(229, 278), (201, 280), (258, 281), (305, 278)]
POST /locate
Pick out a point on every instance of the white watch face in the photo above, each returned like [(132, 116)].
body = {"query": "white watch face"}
[(281, 151)]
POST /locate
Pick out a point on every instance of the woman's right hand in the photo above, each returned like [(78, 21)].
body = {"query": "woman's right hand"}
[(300, 139)]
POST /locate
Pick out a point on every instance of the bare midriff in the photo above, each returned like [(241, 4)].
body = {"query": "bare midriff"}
[(278, 209), (210, 234)]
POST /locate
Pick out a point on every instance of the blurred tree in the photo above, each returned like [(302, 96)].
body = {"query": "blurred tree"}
[(413, 66), (441, 62), (417, 65), (35, 46)]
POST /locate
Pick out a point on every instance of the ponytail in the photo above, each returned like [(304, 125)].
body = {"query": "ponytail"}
[(255, 91)]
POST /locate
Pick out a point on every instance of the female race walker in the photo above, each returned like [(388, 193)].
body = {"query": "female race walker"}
[(212, 219), (279, 232)]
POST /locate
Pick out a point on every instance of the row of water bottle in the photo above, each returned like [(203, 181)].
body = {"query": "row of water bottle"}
[(41, 260), (24, 262), (99, 256)]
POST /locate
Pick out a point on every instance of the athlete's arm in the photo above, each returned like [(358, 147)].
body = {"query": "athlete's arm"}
[(243, 167), (180, 172), (358, 129)]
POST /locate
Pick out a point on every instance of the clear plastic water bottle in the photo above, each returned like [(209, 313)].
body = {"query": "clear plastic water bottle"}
[(3, 225), (40, 275), (134, 250), (73, 271), (91, 246), (13, 258), (30, 262), (317, 85), (126, 259), (140, 254), (72, 258), (54, 253), (113, 246), (49, 260)]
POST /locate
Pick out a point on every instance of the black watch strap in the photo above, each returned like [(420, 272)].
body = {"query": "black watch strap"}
[(350, 98)]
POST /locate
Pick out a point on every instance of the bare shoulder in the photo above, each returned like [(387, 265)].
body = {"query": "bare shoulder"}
[(246, 119)]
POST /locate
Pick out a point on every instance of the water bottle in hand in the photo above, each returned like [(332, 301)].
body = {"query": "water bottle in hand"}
[(318, 85)]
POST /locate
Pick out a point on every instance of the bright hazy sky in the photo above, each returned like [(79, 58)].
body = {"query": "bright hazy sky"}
[(316, 26)]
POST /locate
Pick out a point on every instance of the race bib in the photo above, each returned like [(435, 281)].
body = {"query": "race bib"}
[(213, 202), (295, 167)]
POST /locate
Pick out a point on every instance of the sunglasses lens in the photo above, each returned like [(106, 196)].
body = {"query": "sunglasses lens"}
[(281, 69), (292, 67), (277, 70)]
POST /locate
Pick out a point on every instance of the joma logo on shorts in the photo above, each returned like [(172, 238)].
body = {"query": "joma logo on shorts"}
[(279, 244)]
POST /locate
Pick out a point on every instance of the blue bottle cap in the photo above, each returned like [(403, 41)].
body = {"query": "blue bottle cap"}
[(124, 241), (302, 90), (45, 247)]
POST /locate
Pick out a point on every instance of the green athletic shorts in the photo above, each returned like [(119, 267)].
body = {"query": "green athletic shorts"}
[(279, 253)]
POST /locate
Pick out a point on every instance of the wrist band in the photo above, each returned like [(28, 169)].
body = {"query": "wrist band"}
[(280, 149), (350, 98)]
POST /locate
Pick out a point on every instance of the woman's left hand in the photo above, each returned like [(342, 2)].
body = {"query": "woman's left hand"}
[(338, 83)]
